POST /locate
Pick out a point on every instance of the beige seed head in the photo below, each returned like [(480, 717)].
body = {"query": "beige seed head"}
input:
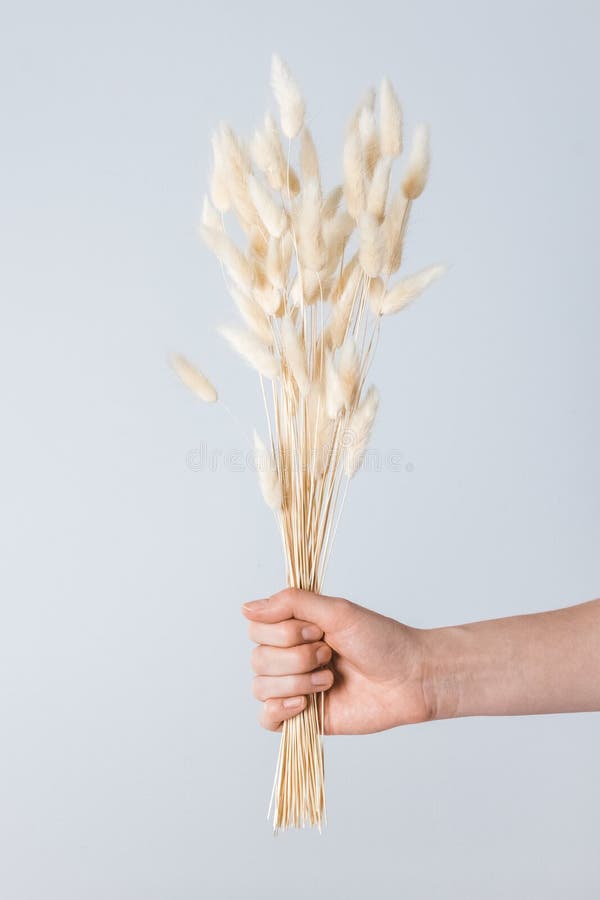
[(309, 226), (270, 212), (193, 379), (288, 96), (268, 477), (369, 139), (394, 227), (268, 157), (376, 295), (343, 308), (288, 173), (371, 245), (391, 120), (309, 160), (354, 175), (335, 397), (336, 232), (230, 255), (378, 189), (348, 367), (409, 289), (219, 190), (367, 101), (210, 216), (253, 315), (332, 202), (415, 177), (295, 355), (360, 427), (252, 349)]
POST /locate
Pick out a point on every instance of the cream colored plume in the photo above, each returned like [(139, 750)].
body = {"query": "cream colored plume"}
[(309, 160), (332, 202), (343, 308), (237, 167), (409, 289), (230, 255), (267, 154), (391, 120), (268, 478), (253, 315), (394, 228), (295, 355), (371, 245), (270, 212), (376, 294), (371, 148), (252, 349), (348, 367), (378, 189), (309, 226), (354, 174), (288, 96), (359, 431), (290, 178), (367, 101), (210, 216), (415, 177), (193, 379), (277, 261), (335, 396), (219, 191)]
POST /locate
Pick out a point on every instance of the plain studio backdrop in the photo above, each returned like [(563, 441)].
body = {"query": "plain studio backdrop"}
[(131, 763)]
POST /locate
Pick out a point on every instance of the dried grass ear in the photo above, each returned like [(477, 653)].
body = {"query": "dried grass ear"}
[(194, 379), (288, 96), (417, 170), (268, 477), (391, 120), (252, 350), (408, 289)]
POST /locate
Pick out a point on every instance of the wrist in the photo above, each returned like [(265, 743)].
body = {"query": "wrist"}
[(444, 667)]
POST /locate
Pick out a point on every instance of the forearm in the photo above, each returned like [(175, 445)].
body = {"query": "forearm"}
[(543, 663)]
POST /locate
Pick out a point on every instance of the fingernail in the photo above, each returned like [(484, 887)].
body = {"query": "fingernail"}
[(293, 702), (323, 677), (311, 633), (255, 605), (323, 654)]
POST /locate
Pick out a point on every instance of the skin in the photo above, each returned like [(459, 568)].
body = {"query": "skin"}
[(378, 673)]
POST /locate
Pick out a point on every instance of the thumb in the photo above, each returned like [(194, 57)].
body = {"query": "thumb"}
[(329, 613)]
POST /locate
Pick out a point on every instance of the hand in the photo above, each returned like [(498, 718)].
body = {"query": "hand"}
[(374, 677)]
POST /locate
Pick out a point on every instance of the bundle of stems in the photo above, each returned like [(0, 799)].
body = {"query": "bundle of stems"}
[(312, 286)]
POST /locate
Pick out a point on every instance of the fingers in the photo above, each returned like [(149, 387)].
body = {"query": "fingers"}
[(291, 660), (267, 687), (284, 634), (328, 613), (275, 712)]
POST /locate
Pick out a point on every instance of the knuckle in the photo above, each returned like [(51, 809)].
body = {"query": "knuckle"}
[(258, 688), (288, 594), (289, 633)]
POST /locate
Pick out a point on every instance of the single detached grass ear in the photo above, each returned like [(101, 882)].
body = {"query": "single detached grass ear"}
[(311, 279), (194, 379)]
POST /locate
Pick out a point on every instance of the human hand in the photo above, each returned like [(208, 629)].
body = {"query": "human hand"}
[(374, 677)]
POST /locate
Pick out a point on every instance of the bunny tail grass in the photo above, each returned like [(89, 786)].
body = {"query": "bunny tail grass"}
[(309, 273)]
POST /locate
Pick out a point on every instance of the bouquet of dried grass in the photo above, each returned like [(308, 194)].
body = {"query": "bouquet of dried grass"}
[(311, 287)]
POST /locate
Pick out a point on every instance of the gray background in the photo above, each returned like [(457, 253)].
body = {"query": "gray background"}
[(131, 765)]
